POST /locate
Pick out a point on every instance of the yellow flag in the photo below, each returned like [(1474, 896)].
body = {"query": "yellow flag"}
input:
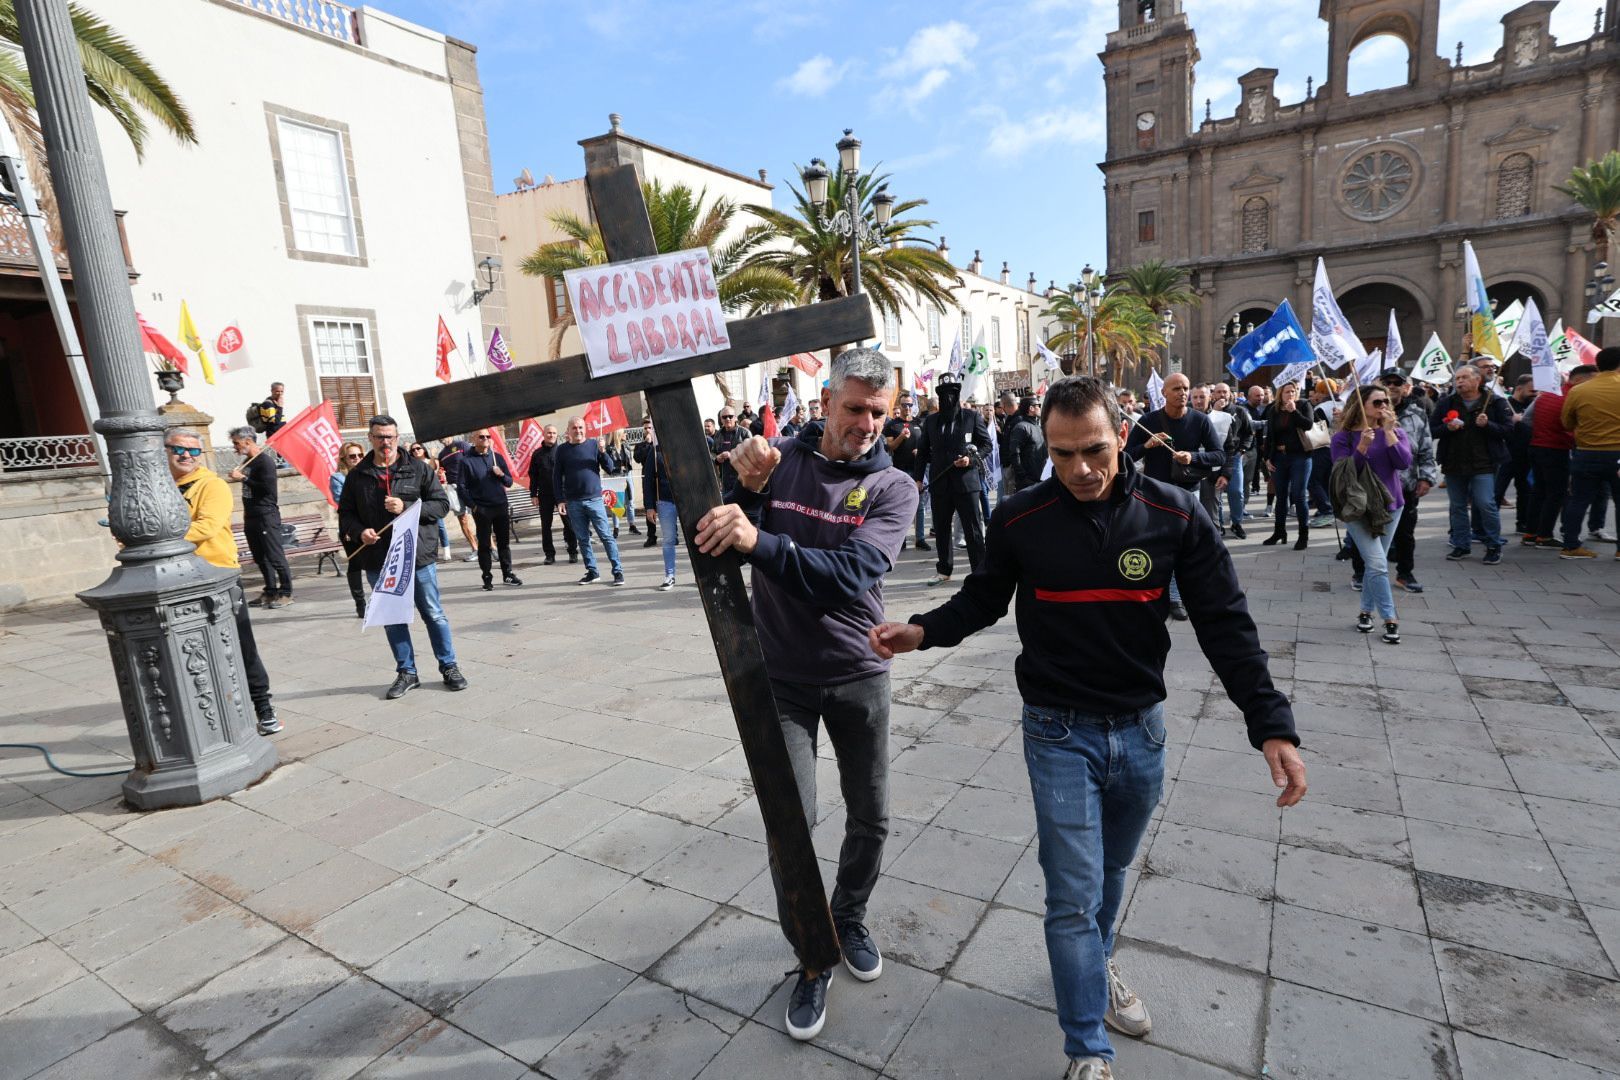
[(193, 341)]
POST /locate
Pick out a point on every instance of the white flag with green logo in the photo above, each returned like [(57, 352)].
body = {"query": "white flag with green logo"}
[(1433, 363), (1507, 327)]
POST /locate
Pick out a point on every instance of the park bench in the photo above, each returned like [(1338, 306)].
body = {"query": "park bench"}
[(310, 536)]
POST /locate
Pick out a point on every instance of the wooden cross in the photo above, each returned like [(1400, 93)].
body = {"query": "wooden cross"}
[(438, 411)]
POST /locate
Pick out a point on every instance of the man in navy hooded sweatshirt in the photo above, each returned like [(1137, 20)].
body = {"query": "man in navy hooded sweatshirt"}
[(821, 518)]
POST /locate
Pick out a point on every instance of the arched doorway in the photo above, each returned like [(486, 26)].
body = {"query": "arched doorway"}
[(1502, 295), (1368, 307), (1247, 319)]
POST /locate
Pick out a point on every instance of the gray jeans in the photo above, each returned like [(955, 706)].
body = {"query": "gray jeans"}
[(856, 715)]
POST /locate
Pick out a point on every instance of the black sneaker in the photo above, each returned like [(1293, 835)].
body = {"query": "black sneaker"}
[(1364, 622), (551, 560), (923, 545), (1355, 582), (807, 1005), (404, 684), (511, 579), (1178, 612), (618, 577), (453, 678), (861, 954), (1237, 531), (268, 724), (489, 585), (1457, 554), (1493, 555), (591, 578), (573, 558), (1410, 584), (1392, 633)]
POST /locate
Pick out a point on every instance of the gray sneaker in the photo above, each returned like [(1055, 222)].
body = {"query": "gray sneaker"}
[(1091, 1068), (1126, 1014)]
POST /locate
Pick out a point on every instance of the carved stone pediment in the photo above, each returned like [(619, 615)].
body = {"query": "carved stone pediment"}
[(1520, 131), (1257, 178)]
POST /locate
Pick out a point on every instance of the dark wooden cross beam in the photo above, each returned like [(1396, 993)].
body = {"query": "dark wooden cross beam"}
[(530, 391)]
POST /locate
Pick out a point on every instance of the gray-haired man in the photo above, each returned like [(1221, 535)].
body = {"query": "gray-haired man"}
[(821, 518)]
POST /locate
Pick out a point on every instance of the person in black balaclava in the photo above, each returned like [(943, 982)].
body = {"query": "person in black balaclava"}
[(954, 444)]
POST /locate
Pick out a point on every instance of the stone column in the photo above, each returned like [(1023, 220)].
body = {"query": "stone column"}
[(167, 614), (1454, 156), (1307, 188)]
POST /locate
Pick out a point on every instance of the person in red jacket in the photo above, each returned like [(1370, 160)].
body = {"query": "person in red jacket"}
[(1550, 444)]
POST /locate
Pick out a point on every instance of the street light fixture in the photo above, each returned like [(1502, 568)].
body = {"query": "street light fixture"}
[(849, 220), (1089, 296), (489, 264), (1167, 328)]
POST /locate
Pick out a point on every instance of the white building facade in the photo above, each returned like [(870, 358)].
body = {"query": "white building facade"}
[(335, 207)]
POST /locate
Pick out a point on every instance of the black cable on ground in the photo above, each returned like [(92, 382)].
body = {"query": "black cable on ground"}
[(54, 765)]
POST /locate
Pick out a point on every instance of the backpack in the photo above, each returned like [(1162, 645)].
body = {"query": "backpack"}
[(254, 419)]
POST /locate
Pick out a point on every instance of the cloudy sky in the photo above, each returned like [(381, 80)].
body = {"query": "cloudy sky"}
[(989, 109)]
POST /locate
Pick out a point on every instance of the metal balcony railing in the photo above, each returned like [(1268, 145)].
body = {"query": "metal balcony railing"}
[(36, 452)]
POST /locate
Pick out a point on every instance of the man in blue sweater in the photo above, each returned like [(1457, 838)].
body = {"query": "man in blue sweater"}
[(1088, 555), (820, 518), (577, 480), (485, 476)]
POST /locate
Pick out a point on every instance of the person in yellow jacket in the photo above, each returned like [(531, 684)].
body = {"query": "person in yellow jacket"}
[(209, 500)]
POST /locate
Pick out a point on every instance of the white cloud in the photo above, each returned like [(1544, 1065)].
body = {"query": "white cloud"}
[(1073, 126), (814, 77), (919, 91), (944, 45)]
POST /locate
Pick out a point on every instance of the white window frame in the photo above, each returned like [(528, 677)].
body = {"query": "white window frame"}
[(315, 347), (891, 330), (302, 236), (995, 336), (933, 327), (967, 331)]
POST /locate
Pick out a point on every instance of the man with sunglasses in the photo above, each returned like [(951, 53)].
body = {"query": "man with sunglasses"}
[(378, 491), (208, 498), (485, 476), (730, 436)]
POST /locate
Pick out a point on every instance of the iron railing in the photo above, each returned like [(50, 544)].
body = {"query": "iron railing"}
[(322, 16), (47, 452)]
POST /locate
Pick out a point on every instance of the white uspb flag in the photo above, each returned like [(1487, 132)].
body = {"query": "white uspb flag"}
[(393, 599), (1155, 390), (1050, 357), (790, 404), (1537, 346), (1393, 349), (1334, 343), (1433, 363)]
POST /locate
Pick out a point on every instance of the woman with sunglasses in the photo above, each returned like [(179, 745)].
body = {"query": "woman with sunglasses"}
[(1369, 433), (350, 454)]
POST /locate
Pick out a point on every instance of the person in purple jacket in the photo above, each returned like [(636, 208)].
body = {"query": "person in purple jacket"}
[(1369, 431), (820, 518)]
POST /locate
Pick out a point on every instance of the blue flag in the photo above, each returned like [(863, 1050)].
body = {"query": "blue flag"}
[(1278, 340)]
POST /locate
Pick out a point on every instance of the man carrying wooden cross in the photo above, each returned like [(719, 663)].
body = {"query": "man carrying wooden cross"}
[(821, 520)]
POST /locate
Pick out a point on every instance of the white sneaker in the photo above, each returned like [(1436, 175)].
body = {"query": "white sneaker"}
[(1601, 534), (1091, 1068), (939, 579), (444, 554), (1126, 1014), (471, 556), (669, 583)]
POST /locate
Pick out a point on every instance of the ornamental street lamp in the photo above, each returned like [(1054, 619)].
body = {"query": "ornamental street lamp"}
[(489, 264), (1089, 297), (1167, 329), (849, 220)]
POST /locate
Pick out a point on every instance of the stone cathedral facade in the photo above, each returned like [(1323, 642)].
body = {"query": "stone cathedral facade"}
[(1385, 185)]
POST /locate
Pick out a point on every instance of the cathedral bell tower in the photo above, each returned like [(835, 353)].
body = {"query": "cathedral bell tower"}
[(1148, 68)]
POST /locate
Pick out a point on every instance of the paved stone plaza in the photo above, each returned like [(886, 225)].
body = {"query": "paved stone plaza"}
[(561, 869)]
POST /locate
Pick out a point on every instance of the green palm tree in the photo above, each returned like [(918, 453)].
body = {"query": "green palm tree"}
[(1596, 188), (1159, 286), (680, 222), (118, 77), (1122, 329), (818, 260)]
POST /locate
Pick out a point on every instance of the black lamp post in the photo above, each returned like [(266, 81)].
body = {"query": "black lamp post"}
[(849, 220), (489, 264)]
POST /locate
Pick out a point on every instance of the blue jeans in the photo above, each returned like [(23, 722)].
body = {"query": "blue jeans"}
[(669, 524), (1293, 478), (1095, 780), (432, 612), (1237, 493), (922, 534), (1591, 473), (585, 515), (1480, 491), (1374, 551)]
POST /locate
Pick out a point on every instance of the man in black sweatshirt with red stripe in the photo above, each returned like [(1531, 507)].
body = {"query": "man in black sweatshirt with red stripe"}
[(1087, 556)]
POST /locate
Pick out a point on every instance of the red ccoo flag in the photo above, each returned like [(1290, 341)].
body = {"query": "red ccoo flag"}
[(498, 444), (158, 345), (603, 416), (806, 362), (767, 419), (309, 443), (443, 347), (529, 437)]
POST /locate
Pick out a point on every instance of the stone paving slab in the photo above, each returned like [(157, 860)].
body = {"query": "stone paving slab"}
[(560, 872)]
